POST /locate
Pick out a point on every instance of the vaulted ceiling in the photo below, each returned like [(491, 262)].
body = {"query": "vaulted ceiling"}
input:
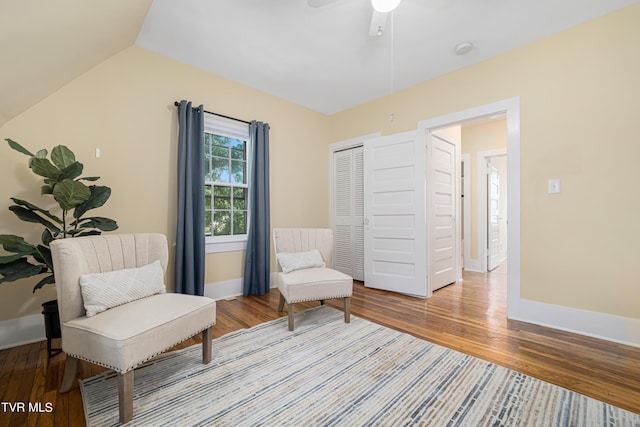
[(322, 58)]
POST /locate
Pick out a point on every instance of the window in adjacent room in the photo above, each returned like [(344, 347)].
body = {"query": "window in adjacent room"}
[(226, 181)]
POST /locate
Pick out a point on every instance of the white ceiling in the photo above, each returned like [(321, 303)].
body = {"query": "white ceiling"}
[(324, 59), (321, 58)]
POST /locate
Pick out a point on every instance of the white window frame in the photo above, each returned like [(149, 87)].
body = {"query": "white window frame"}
[(238, 130)]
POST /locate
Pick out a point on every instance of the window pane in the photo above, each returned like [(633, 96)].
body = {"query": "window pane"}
[(238, 169), (207, 197), (221, 223), (221, 141), (220, 170), (220, 151), (240, 222), (226, 165), (207, 222), (240, 198), (222, 197), (208, 140), (238, 149)]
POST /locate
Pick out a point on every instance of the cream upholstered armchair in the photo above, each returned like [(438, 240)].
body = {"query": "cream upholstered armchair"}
[(305, 260), (114, 310)]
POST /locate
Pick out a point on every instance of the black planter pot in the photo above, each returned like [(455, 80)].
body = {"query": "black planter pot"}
[(51, 325)]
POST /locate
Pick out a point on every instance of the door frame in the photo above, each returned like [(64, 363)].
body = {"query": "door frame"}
[(465, 159), (510, 107), (481, 191)]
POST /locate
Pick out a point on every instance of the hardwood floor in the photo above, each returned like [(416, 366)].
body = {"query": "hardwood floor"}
[(468, 317)]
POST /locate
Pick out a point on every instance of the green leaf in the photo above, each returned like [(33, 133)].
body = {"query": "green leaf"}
[(18, 147), (46, 189), (33, 207), (30, 216), (45, 256), (47, 237), (104, 224), (44, 167), (41, 154), (87, 233), (47, 280), (89, 178), (69, 194), (99, 196), (19, 269), (62, 157), (71, 172), (16, 244), (9, 258)]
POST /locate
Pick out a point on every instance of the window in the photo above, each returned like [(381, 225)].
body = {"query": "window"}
[(226, 181)]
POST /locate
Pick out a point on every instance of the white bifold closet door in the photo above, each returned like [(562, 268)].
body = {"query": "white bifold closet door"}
[(348, 212)]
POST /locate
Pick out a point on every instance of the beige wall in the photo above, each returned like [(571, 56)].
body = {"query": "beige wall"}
[(125, 107), (476, 138), (579, 97)]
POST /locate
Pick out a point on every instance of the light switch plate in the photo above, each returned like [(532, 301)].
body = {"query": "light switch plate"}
[(554, 186)]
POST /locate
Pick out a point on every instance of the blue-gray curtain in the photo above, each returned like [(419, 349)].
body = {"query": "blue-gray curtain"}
[(189, 273), (257, 265)]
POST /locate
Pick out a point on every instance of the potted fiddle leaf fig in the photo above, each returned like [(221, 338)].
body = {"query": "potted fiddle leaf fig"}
[(74, 197)]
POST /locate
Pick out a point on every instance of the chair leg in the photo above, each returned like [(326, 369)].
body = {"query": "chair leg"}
[(347, 310), (70, 373), (125, 396), (290, 309), (206, 345), (281, 303)]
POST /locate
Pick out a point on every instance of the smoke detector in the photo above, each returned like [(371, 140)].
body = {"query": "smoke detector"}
[(463, 48)]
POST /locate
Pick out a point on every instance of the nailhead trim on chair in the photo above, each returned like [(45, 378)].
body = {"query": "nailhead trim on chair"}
[(318, 299), (141, 361)]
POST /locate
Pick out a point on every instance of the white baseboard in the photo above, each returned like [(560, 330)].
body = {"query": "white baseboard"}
[(22, 330), (223, 290), (229, 288), (623, 330), (473, 265)]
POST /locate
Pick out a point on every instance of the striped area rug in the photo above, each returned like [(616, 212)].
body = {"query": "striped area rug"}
[(330, 373)]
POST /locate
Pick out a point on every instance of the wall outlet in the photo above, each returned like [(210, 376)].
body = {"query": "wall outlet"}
[(554, 186)]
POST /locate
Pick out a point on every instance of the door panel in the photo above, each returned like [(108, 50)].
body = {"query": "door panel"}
[(358, 211), (342, 184), (348, 212), (394, 204), (442, 212), (493, 216)]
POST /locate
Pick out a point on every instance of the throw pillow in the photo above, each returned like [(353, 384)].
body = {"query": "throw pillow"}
[(102, 291), (290, 261)]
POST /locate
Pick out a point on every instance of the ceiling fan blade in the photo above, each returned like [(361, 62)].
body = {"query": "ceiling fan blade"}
[(319, 3), (378, 23)]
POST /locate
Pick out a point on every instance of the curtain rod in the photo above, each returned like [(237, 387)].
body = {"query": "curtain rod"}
[(176, 103)]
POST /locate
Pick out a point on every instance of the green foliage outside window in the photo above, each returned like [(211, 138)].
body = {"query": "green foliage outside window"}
[(226, 186)]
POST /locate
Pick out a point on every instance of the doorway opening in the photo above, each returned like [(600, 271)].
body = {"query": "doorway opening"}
[(510, 108)]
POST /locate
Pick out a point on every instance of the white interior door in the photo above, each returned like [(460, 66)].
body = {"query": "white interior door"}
[(358, 210), (441, 188), (394, 208), (348, 212), (493, 216)]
